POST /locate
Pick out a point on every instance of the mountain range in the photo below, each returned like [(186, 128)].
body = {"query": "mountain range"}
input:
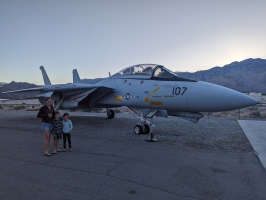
[(17, 86), (1, 84), (245, 76)]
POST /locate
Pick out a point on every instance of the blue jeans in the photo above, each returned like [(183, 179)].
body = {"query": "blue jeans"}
[(46, 126)]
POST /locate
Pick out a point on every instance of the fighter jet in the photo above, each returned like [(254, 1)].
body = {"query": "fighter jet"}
[(147, 89)]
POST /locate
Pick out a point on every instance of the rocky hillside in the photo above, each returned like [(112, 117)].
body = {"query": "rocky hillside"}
[(16, 86), (245, 76)]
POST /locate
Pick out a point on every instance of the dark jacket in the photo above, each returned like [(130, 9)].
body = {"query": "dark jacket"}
[(43, 113), (57, 126)]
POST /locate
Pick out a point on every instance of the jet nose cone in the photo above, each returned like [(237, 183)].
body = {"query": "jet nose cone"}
[(207, 97), (241, 100)]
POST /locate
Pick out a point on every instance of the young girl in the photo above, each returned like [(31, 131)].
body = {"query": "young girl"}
[(57, 129), (67, 127)]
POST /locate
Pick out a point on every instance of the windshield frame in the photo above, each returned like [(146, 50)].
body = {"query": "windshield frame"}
[(136, 71), (149, 71)]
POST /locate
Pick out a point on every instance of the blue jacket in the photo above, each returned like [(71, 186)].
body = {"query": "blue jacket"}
[(67, 126)]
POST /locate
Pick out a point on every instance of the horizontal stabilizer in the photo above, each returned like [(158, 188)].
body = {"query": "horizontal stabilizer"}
[(45, 94), (23, 90)]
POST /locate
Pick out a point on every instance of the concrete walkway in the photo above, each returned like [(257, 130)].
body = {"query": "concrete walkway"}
[(116, 169), (256, 133)]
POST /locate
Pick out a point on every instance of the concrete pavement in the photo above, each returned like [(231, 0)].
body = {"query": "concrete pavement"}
[(124, 169), (256, 133)]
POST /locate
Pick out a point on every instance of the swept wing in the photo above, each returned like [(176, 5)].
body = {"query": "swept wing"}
[(68, 95)]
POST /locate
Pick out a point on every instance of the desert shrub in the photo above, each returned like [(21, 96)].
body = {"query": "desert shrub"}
[(253, 108), (20, 107), (255, 114), (117, 111), (94, 110)]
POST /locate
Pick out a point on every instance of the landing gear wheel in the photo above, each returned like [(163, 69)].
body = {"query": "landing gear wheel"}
[(138, 129), (110, 114), (146, 129)]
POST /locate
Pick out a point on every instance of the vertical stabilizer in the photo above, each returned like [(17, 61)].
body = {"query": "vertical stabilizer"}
[(46, 79), (76, 78)]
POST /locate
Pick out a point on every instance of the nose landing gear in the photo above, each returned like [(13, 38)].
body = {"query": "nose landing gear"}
[(141, 129), (144, 126)]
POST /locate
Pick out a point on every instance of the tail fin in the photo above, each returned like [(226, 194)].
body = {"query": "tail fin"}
[(76, 78), (46, 79)]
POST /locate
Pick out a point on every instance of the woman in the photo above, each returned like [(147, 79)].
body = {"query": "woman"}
[(47, 113)]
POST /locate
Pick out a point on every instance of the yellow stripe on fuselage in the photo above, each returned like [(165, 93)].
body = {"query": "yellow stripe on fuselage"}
[(156, 103), (152, 93), (118, 98), (169, 96)]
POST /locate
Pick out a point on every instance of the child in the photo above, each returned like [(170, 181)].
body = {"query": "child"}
[(67, 127), (57, 129)]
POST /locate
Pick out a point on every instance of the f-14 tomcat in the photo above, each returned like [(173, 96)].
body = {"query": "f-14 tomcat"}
[(148, 90)]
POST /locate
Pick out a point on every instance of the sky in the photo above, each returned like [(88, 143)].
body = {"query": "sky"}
[(101, 36)]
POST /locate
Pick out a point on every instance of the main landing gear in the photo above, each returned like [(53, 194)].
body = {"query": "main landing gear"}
[(110, 113)]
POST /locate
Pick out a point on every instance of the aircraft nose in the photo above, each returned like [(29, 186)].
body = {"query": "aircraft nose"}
[(207, 97)]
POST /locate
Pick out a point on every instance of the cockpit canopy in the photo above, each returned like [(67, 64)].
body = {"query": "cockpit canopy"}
[(145, 70), (148, 71)]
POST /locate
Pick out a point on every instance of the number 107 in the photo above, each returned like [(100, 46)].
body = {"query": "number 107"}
[(179, 90)]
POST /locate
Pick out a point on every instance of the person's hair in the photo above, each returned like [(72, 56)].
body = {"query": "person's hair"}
[(65, 114), (57, 113), (49, 98)]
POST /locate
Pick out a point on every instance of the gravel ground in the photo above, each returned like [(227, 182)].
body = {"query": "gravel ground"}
[(221, 134)]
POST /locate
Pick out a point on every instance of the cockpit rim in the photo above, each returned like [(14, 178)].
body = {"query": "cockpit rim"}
[(155, 72)]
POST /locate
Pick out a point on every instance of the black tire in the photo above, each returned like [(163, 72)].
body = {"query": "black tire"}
[(138, 129), (110, 114), (146, 129)]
